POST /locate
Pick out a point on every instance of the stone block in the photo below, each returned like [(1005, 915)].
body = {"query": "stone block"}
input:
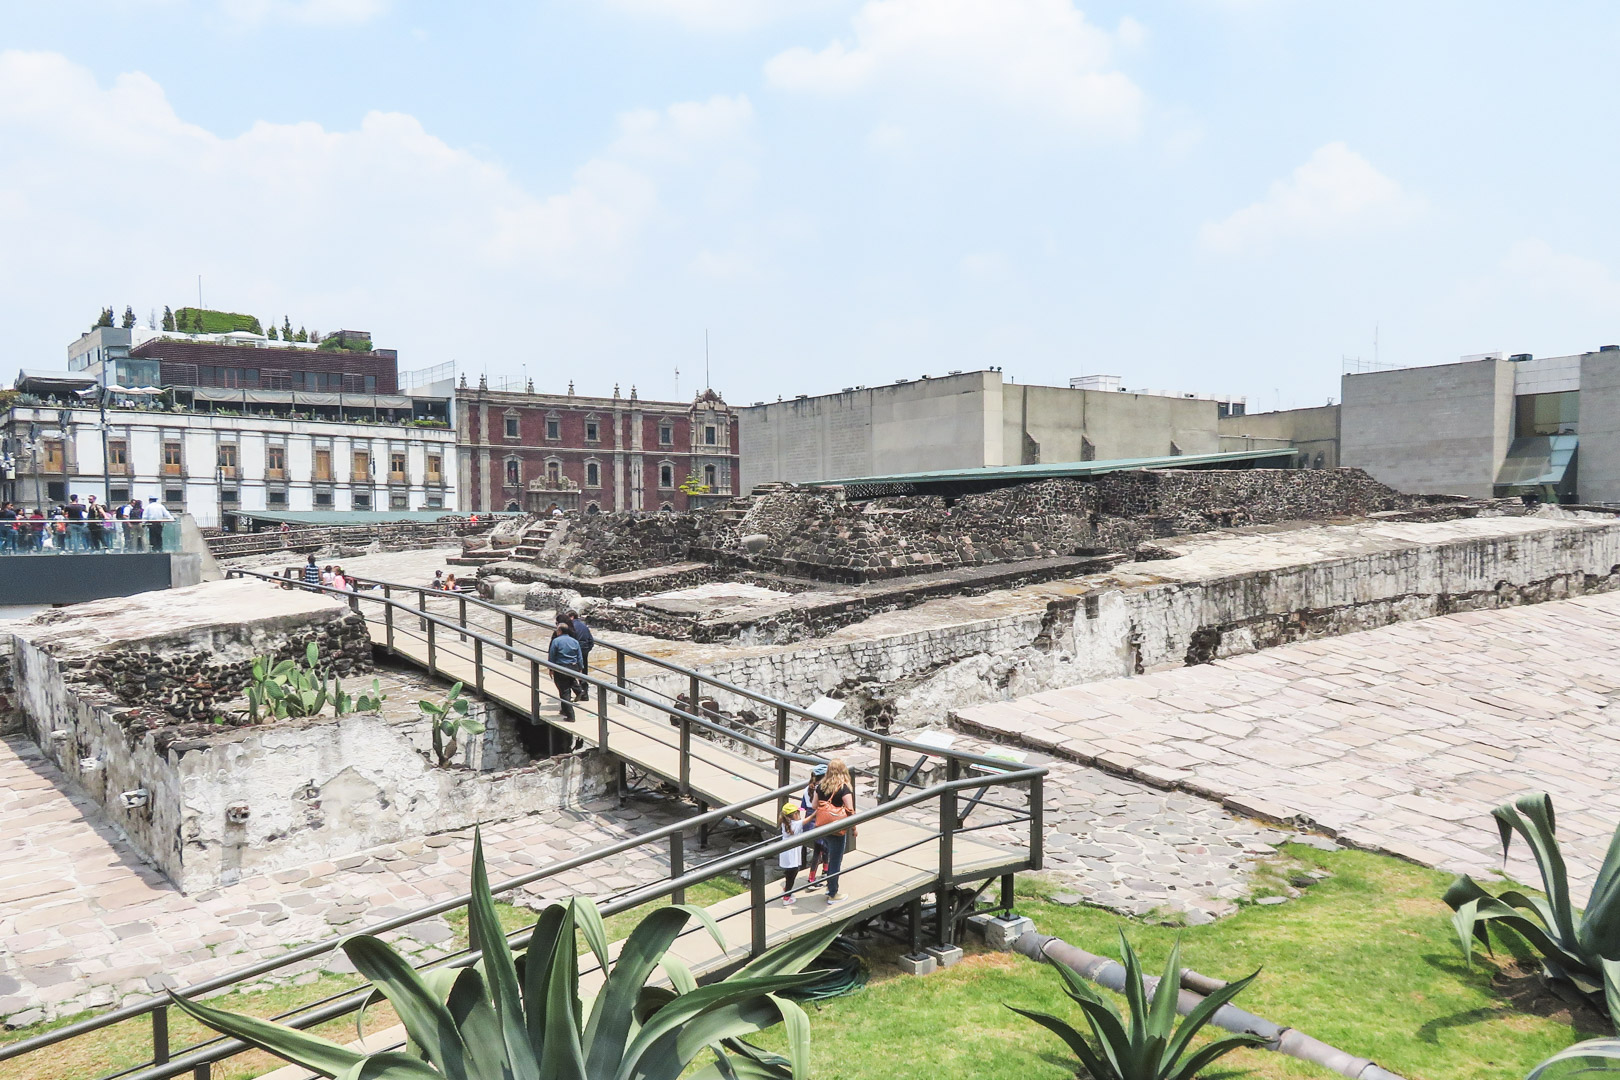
[(1000, 932), (944, 955), (920, 964)]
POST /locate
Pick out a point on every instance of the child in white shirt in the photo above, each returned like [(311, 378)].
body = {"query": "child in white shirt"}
[(793, 822)]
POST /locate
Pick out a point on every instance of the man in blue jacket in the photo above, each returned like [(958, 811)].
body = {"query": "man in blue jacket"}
[(564, 654), (582, 634)]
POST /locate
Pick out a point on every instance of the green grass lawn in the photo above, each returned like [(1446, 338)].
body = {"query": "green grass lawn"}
[(1366, 961)]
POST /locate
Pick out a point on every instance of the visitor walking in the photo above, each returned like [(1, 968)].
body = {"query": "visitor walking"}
[(587, 642), (835, 801), (818, 849), (157, 517), (792, 822), (564, 653)]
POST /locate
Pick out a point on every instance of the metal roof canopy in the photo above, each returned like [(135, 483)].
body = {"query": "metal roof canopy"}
[(951, 482), (358, 517)]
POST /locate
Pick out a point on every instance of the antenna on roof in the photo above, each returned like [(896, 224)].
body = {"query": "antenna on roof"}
[(706, 384)]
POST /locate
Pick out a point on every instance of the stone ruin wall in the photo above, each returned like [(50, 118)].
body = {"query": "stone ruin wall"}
[(814, 532)]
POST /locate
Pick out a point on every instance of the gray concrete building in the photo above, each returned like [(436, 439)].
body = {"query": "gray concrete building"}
[(1490, 425), (966, 420), (1313, 431)]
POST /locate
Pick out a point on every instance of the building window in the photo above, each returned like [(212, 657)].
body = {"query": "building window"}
[(362, 465), (512, 475), (512, 508), (53, 456), (362, 500), (666, 435), (277, 500), (553, 427), (323, 464), (119, 495), (667, 508), (666, 476), (593, 474), (275, 462), (227, 495), (593, 431), (398, 501), (1547, 414), (171, 459), (435, 468), (594, 508), (396, 466), (118, 455), (511, 427), (710, 434), (174, 496), (323, 500), (435, 502), (711, 477), (56, 491), (554, 472), (226, 454)]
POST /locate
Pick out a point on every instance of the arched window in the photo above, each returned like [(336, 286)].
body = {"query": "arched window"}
[(554, 471), (512, 474), (667, 508), (666, 475), (594, 508), (711, 477), (513, 507), (593, 474)]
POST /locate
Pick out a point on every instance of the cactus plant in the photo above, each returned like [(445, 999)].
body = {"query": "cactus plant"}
[(290, 689), (449, 720)]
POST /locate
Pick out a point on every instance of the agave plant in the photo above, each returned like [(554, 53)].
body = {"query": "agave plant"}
[(520, 1017), (1578, 949), (1148, 1045)]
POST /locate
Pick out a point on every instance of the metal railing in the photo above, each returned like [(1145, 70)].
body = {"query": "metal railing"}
[(56, 536), (448, 638)]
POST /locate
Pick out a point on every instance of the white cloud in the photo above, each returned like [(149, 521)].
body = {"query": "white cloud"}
[(721, 15), (105, 189), (309, 12), (1336, 191), (1534, 268), (1035, 55)]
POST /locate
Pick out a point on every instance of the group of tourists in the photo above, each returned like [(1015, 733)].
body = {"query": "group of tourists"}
[(330, 575), (571, 644), (87, 526), (827, 800)]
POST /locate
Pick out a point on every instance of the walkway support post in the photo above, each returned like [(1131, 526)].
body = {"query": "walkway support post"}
[(784, 765), (677, 865), (602, 719), (618, 672), (756, 905)]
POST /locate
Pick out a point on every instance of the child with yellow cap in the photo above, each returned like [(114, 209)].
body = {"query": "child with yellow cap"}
[(793, 821)]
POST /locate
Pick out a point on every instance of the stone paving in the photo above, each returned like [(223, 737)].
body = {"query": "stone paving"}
[(1400, 739), (84, 924)]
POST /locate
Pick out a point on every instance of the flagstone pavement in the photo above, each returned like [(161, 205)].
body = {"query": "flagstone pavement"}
[(1400, 739)]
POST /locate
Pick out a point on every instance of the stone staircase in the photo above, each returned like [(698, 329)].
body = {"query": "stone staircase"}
[(737, 509), (533, 539)]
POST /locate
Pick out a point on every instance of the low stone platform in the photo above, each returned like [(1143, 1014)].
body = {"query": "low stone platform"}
[(1399, 740)]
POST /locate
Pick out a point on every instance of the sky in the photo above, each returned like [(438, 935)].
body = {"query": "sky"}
[(1213, 196)]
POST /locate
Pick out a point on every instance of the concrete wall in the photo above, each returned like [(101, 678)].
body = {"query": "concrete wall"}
[(1430, 430), (953, 422), (1315, 431), (1059, 421), (1598, 459)]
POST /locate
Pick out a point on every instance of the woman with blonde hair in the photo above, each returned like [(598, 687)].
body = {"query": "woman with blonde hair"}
[(835, 800)]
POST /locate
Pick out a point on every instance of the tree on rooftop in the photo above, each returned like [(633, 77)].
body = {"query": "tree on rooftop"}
[(105, 318), (286, 328), (168, 318), (129, 317), (302, 335), (271, 334)]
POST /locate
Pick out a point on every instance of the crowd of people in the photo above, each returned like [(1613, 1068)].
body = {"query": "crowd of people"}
[(87, 526)]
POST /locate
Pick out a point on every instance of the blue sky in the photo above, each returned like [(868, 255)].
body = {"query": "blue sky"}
[(1199, 195)]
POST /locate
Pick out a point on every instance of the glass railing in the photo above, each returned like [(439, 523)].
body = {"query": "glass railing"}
[(55, 537)]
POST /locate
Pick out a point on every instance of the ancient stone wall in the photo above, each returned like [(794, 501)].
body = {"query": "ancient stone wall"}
[(598, 544), (392, 537)]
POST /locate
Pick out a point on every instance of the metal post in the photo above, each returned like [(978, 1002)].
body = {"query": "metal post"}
[(756, 905), (1007, 894), (432, 647), (601, 718), (885, 758), (914, 917), (620, 665), (784, 764), (202, 1072), (692, 692), (478, 665), (703, 830), (686, 756), (160, 1035), (624, 783), (947, 836), (534, 690), (509, 635), (1037, 822), (677, 865), (388, 621)]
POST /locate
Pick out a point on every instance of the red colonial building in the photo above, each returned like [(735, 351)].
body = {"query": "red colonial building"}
[(529, 451)]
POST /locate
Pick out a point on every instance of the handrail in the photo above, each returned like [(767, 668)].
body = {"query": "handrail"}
[(730, 688)]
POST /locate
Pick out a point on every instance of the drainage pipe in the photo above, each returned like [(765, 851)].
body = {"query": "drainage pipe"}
[(1283, 1040)]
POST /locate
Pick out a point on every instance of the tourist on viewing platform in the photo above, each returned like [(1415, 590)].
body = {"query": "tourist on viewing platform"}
[(74, 512), (8, 529), (793, 822), (564, 653), (157, 517), (835, 801), (130, 514), (312, 573), (438, 580), (36, 529), (818, 850), (340, 581), (582, 634)]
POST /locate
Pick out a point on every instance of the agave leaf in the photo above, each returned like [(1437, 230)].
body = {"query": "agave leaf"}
[(1202, 1014), (1094, 1065), (1531, 816), (313, 1053), (680, 976), (424, 1016), (1105, 1020), (389, 1065), (594, 930), (1493, 910), (652, 999), (1161, 1019), (1134, 995), (537, 968), (739, 1068), (1599, 933), (673, 1017), (484, 927), (727, 1021), (561, 1055), (1611, 990), (608, 1030), (1190, 1068), (797, 1024), (480, 1028), (1470, 926), (790, 956)]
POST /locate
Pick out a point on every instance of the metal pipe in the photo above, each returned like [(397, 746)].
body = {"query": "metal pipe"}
[(1282, 1040)]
